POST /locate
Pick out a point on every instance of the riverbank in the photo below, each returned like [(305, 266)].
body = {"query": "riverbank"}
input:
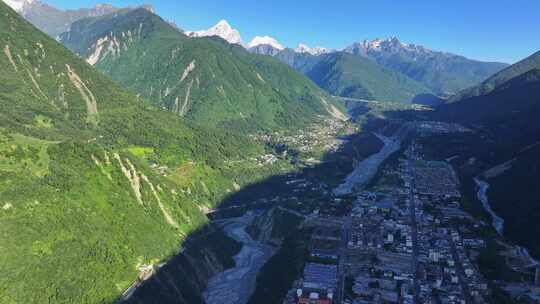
[(366, 169), (185, 276), (496, 221), (237, 284)]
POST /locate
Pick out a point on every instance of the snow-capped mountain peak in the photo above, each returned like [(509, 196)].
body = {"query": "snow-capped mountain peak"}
[(18, 5), (223, 24), (265, 40), (303, 48), (389, 45), (374, 44), (377, 44), (222, 29), (263, 44)]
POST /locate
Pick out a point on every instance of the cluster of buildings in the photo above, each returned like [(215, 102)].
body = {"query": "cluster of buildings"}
[(322, 136), (445, 272), (319, 281), (379, 253), (435, 178), (318, 284), (403, 247), (404, 240), (398, 244)]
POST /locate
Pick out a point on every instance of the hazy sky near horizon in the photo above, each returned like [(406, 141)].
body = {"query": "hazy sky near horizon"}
[(490, 30)]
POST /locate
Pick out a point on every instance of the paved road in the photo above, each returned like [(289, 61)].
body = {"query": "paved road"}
[(414, 227), (342, 264), (461, 272), (415, 253)]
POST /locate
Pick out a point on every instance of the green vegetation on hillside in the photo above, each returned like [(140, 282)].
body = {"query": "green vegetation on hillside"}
[(524, 66), (443, 73), (354, 76), (96, 185), (205, 80), (84, 215)]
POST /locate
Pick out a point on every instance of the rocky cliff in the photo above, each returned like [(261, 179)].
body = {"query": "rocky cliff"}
[(184, 278)]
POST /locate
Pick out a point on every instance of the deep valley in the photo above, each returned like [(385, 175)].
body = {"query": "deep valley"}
[(142, 162)]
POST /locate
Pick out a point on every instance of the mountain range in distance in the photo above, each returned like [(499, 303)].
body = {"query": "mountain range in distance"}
[(121, 135), (224, 30), (422, 75), (206, 80), (54, 21), (444, 74), (439, 73)]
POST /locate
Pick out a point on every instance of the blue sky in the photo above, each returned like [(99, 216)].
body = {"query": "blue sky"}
[(492, 30)]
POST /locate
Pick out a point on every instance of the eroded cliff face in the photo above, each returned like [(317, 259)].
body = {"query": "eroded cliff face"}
[(284, 229), (262, 226), (273, 225), (184, 278)]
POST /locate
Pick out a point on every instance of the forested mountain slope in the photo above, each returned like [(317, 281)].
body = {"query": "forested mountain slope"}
[(96, 186), (206, 80), (503, 150), (403, 69), (443, 73), (509, 111), (348, 75), (353, 76), (526, 65)]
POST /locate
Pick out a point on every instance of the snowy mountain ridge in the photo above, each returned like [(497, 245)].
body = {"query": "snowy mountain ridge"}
[(222, 29), (18, 5), (265, 40)]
